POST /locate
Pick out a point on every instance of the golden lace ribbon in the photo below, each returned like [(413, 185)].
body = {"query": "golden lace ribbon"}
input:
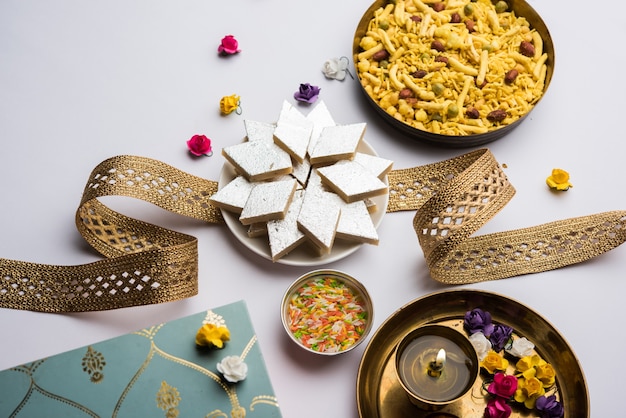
[(147, 264)]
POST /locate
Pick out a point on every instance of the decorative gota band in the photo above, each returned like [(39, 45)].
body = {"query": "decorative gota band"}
[(454, 198), (147, 264)]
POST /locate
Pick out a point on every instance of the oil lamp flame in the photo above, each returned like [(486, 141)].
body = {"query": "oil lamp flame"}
[(435, 368), (440, 361)]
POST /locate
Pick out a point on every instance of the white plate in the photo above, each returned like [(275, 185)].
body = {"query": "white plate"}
[(303, 255)]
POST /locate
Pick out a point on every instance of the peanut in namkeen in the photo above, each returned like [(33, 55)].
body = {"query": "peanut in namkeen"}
[(449, 69)]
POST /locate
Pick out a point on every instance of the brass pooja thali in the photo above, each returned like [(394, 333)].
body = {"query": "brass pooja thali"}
[(380, 395), (410, 47)]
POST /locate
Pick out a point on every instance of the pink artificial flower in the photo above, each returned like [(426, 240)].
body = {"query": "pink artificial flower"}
[(497, 408), (503, 385), (229, 46), (200, 145)]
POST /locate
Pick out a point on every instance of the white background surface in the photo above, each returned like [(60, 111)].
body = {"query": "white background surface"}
[(82, 81)]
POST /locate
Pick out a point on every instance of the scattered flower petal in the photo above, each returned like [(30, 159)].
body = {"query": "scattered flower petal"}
[(307, 93), (229, 46), (229, 104), (200, 145), (559, 180), (233, 368)]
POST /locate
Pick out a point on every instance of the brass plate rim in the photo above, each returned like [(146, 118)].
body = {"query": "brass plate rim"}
[(449, 305)]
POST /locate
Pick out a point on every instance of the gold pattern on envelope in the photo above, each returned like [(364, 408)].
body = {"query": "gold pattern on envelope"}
[(170, 394), (147, 264), (157, 378), (216, 414), (93, 365), (35, 389), (215, 319), (150, 333), (167, 399), (248, 347), (263, 399)]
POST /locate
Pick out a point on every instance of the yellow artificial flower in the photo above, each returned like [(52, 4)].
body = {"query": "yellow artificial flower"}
[(535, 366), (546, 373), (559, 180), (210, 335), (494, 361), (229, 104), (528, 363), (528, 390)]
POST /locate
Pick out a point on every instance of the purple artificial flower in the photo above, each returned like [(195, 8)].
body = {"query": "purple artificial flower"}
[(307, 93), (549, 407), (500, 335), (478, 320)]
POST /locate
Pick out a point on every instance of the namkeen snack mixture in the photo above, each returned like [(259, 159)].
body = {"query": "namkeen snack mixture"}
[(455, 67), (326, 315)]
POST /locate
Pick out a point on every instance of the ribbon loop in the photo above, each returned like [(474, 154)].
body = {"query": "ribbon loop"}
[(147, 264), (454, 198)]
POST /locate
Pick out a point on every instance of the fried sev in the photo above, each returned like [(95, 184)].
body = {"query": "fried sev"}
[(432, 89)]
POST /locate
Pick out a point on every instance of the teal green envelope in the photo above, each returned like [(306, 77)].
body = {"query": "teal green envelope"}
[(155, 372)]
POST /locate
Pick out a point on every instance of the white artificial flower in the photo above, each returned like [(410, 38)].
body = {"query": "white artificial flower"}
[(521, 347), (335, 68), (233, 368), (481, 344)]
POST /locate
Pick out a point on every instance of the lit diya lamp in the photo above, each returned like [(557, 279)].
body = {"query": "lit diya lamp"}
[(436, 366)]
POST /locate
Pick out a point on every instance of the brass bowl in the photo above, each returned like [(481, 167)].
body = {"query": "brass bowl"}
[(428, 388), (521, 9), (349, 284)]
